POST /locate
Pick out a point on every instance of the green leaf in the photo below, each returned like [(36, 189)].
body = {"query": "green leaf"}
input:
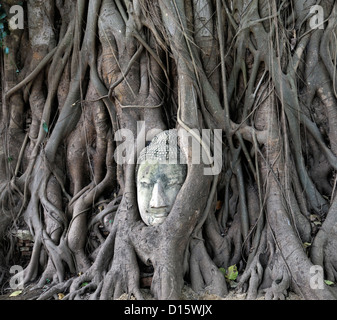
[(306, 245), (16, 293), (232, 273), (84, 284), (3, 16), (223, 270), (10, 159), (328, 282), (45, 127)]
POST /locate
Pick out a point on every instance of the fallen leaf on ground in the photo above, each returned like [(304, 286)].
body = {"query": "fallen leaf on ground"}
[(16, 293)]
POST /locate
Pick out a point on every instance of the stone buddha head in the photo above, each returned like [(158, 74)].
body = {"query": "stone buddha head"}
[(160, 173)]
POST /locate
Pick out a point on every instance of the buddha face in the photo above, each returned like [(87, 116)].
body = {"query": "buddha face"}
[(157, 187)]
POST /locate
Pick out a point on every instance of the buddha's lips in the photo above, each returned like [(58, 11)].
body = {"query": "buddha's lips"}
[(158, 213)]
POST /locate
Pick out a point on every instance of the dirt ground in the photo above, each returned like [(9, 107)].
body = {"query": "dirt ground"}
[(187, 294)]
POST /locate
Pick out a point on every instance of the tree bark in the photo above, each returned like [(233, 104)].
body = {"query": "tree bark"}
[(255, 71)]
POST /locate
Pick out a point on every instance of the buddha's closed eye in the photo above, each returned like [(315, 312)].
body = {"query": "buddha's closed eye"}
[(146, 183)]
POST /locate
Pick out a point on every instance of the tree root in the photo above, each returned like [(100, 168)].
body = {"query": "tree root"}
[(205, 275), (322, 251), (253, 273), (270, 277), (280, 286), (122, 277), (170, 55)]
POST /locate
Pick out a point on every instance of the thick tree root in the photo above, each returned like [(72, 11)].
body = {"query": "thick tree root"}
[(204, 274), (323, 249)]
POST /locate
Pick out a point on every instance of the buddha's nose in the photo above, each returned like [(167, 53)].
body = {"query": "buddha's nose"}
[(158, 199)]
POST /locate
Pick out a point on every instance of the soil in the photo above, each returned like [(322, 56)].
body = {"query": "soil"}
[(187, 294)]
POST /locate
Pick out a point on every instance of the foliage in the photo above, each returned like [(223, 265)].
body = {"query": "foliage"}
[(231, 273)]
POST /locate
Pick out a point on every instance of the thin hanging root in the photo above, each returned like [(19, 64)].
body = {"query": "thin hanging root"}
[(125, 73), (153, 54), (33, 74), (21, 154)]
